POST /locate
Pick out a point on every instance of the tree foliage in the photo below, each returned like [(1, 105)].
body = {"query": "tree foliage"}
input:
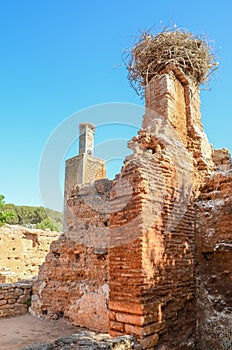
[(47, 224), (5, 215), (38, 217)]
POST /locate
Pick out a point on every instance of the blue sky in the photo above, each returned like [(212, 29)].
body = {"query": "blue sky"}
[(60, 56)]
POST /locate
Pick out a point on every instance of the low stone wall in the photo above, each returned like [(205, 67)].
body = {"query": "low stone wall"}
[(15, 298)]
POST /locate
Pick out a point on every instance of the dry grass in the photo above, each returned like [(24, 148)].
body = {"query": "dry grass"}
[(152, 53)]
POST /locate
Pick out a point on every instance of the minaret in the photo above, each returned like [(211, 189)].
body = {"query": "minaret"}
[(86, 139), (85, 167)]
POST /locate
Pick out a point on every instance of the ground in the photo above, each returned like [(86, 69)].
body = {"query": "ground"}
[(24, 330)]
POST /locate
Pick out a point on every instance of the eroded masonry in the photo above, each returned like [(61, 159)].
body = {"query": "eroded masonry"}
[(23, 250), (149, 253)]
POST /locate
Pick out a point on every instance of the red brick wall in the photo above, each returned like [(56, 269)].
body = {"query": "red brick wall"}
[(152, 279)]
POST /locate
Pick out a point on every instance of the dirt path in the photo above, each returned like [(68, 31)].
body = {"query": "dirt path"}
[(21, 331)]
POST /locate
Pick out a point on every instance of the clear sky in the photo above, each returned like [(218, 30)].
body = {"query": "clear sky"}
[(60, 56)]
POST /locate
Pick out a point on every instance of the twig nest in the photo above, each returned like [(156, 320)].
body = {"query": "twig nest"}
[(152, 53)]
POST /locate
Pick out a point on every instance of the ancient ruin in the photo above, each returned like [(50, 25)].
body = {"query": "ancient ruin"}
[(23, 250), (148, 254)]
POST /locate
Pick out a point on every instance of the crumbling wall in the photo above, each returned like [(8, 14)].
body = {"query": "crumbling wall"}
[(152, 274), (135, 235), (23, 250), (214, 257), (15, 298), (73, 282), (152, 277)]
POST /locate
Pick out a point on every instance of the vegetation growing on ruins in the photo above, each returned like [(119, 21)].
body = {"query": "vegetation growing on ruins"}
[(153, 52)]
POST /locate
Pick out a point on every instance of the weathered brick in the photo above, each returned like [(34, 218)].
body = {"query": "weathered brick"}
[(135, 330), (150, 341), (114, 333), (112, 315), (126, 307), (11, 301), (117, 326), (129, 318)]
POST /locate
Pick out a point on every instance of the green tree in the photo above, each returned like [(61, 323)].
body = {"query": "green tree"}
[(4, 215), (48, 224), (30, 216), (14, 220)]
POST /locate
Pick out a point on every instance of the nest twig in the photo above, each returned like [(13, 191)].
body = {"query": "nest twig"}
[(152, 53)]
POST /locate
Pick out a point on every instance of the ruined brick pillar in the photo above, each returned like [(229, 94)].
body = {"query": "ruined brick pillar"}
[(152, 255)]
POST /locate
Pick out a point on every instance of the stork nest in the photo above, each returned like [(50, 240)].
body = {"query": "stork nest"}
[(152, 53)]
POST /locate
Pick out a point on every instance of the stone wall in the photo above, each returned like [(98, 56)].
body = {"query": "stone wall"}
[(83, 168), (214, 258), (15, 298), (23, 251)]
